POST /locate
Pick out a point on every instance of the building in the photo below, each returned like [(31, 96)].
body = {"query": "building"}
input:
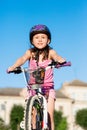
[(69, 99), (77, 91), (9, 97)]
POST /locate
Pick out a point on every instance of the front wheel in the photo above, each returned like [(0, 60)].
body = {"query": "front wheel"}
[(33, 103)]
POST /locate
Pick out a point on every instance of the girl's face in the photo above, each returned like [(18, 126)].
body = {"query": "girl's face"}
[(40, 40)]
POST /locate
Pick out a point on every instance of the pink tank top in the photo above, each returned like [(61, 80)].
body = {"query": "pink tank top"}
[(48, 80)]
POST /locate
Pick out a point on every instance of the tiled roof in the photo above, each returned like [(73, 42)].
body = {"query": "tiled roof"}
[(10, 91), (59, 94), (77, 83), (16, 92)]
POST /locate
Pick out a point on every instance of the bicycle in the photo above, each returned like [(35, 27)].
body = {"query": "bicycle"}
[(38, 101)]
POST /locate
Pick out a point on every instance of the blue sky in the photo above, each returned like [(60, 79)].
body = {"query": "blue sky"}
[(67, 20)]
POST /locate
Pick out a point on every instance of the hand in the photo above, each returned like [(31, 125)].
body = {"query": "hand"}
[(61, 61), (10, 69)]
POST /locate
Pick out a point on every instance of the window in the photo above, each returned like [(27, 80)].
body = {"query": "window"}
[(74, 95), (85, 96), (61, 108), (3, 107)]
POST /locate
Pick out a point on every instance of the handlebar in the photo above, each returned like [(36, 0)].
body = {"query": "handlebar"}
[(58, 65), (53, 64)]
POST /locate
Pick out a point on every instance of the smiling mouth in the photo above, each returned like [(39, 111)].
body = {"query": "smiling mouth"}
[(40, 43)]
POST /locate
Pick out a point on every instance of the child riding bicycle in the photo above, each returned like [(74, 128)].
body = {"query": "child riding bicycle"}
[(41, 54)]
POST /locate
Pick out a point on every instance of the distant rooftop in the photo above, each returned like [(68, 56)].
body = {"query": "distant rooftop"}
[(16, 92), (59, 94), (10, 91), (76, 83)]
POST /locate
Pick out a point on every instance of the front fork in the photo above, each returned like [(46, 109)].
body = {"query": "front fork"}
[(45, 112)]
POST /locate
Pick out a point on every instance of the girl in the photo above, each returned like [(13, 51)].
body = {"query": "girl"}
[(41, 54)]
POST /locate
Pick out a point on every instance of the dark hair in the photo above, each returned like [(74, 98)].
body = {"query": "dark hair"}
[(39, 29), (36, 53)]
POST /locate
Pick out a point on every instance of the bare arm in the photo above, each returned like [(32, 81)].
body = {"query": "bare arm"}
[(21, 60), (54, 56)]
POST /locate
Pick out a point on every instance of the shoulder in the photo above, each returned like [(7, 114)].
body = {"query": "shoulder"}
[(52, 52), (30, 53), (27, 54)]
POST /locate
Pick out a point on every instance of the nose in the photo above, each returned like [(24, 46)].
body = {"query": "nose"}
[(40, 39)]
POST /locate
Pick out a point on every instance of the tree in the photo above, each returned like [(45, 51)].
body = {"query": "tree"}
[(81, 118), (63, 124), (16, 116), (60, 121), (3, 126), (57, 118)]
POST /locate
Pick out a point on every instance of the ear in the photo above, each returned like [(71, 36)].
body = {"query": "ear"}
[(48, 41)]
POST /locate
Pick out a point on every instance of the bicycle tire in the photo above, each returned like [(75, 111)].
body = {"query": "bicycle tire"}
[(28, 110)]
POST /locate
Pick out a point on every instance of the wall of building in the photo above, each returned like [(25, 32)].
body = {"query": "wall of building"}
[(76, 98)]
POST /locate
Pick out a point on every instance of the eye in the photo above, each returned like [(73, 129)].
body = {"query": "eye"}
[(43, 37), (36, 37)]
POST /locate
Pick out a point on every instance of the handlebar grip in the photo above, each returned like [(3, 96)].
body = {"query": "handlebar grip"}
[(63, 64), (18, 70), (58, 64)]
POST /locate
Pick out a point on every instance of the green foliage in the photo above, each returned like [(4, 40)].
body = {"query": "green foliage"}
[(57, 118), (81, 118), (3, 126), (16, 116), (63, 124), (1, 121), (60, 121)]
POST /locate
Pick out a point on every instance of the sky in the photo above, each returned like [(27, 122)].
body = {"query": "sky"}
[(67, 21)]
